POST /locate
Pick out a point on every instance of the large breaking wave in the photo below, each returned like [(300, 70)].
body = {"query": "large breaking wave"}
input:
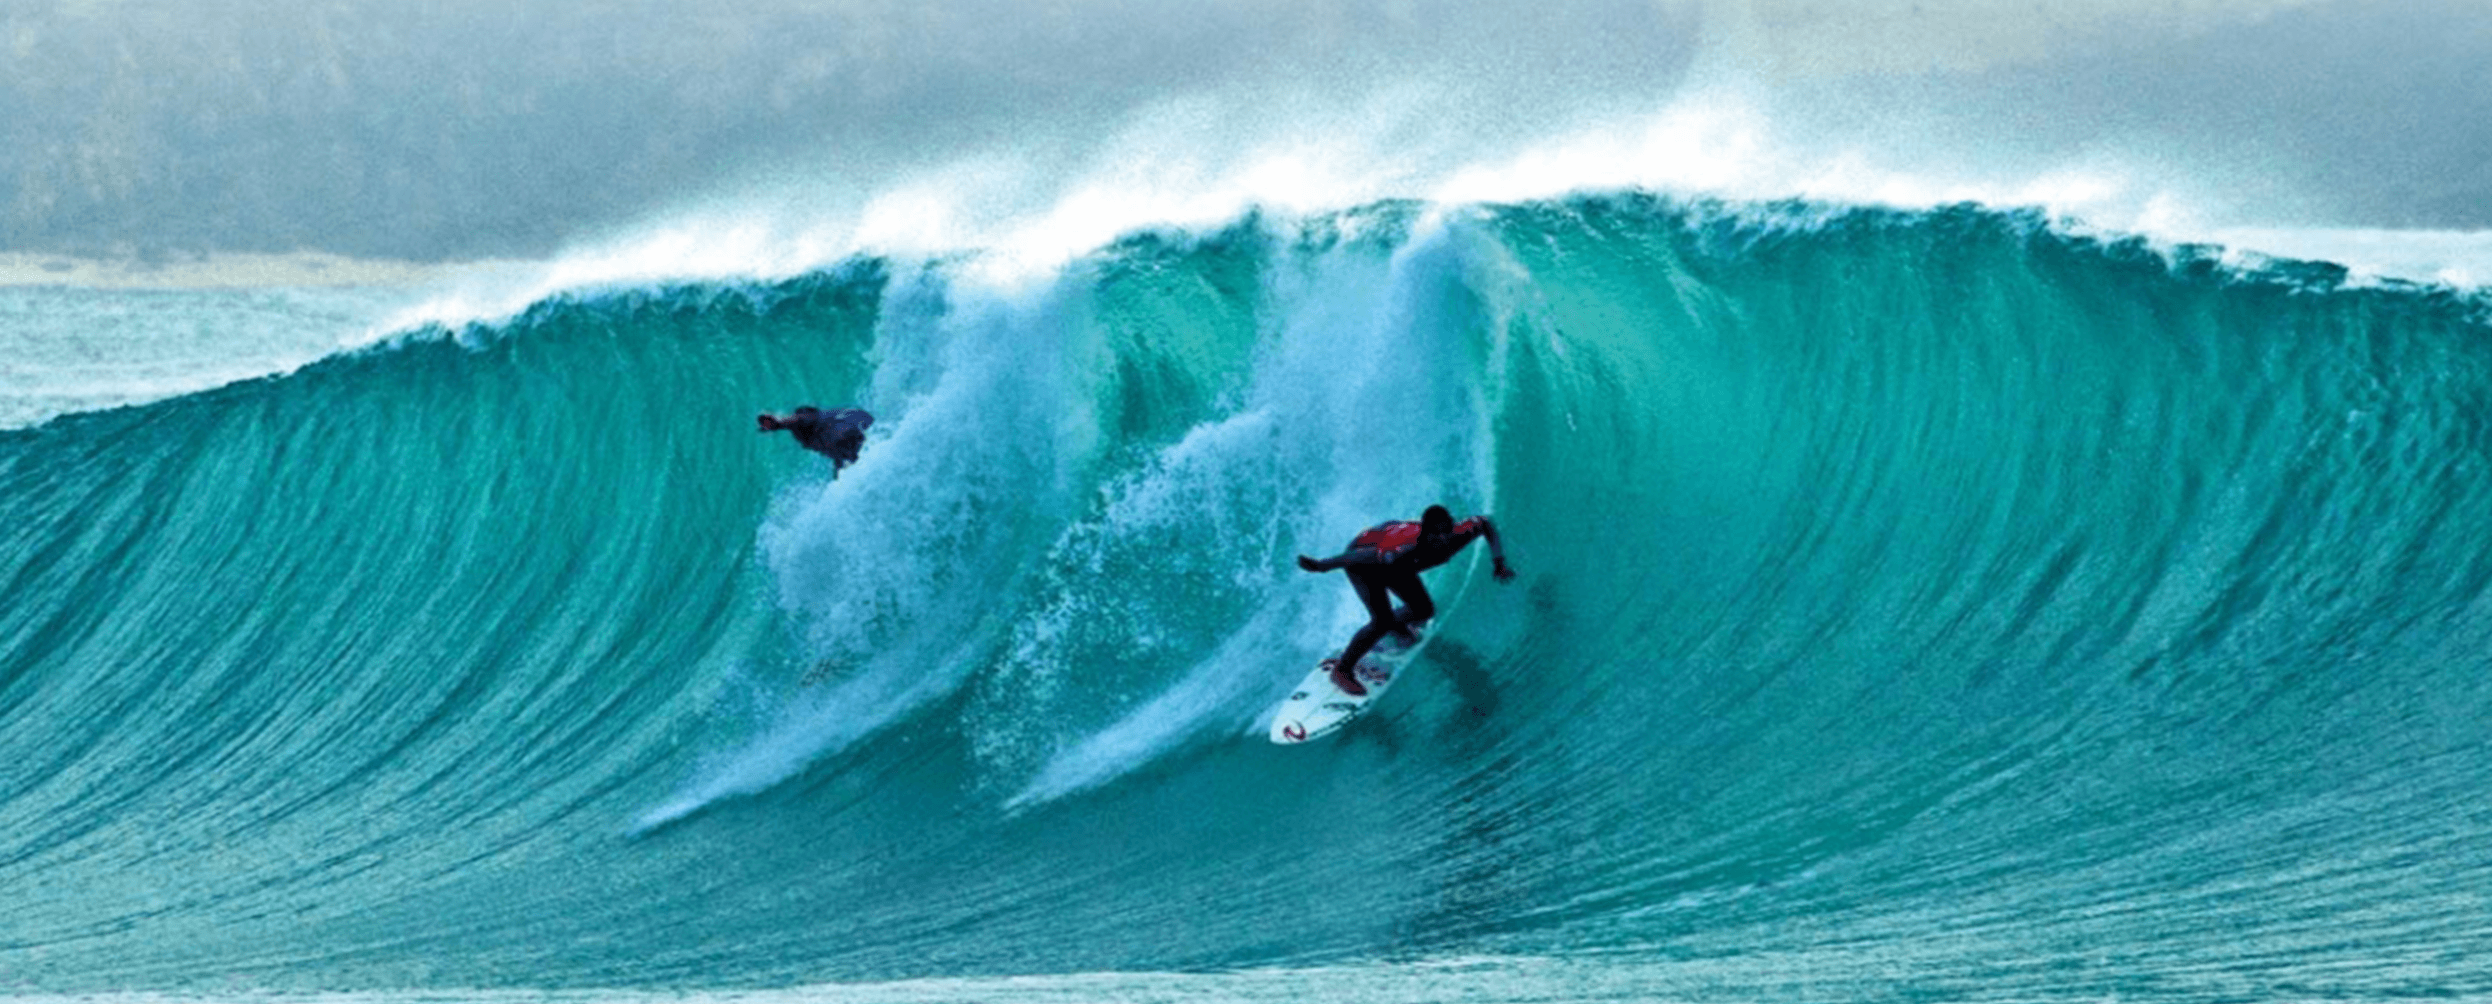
[(2035, 612)]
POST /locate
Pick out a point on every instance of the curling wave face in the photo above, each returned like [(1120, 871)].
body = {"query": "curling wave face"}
[(2038, 614)]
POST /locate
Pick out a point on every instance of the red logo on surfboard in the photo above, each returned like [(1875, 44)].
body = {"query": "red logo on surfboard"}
[(1294, 730)]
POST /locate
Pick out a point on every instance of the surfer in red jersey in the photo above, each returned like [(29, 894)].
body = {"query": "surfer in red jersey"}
[(834, 434), (1388, 558)]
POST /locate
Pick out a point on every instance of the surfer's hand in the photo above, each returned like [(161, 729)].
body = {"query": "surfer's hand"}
[(1310, 564), (1503, 571)]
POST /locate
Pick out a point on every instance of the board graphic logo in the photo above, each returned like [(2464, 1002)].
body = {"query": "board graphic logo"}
[(1294, 730)]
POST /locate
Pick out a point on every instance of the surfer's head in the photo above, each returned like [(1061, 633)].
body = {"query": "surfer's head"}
[(1436, 522)]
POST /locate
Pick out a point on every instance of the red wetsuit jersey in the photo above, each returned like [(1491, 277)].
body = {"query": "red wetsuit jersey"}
[(1398, 540)]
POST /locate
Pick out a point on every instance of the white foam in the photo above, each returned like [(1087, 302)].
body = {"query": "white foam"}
[(892, 572), (1366, 409), (1198, 161), (2456, 258)]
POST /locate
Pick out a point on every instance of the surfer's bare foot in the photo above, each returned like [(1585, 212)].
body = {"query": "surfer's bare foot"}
[(1343, 679)]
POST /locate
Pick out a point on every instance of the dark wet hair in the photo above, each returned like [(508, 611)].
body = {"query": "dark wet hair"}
[(1436, 520)]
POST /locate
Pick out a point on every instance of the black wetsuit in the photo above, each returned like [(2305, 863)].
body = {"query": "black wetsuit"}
[(834, 434)]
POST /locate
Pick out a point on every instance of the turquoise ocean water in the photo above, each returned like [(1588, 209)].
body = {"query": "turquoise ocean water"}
[(1915, 605)]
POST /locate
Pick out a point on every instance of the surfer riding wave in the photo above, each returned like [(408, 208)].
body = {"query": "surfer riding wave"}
[(1385, 561)]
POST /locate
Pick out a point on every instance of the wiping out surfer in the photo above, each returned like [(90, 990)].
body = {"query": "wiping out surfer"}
[(834, 434), (1387, 559)]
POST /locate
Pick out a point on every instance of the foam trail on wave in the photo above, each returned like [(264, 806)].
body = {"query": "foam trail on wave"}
[(2456, 258), (892, 571), (1369, 407)]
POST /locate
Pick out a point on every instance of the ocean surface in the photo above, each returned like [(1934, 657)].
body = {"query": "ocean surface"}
[(1915, 605)]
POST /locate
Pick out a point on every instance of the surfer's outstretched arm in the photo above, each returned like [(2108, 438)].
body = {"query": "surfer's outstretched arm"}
[(1496, 549), (1353, 556)]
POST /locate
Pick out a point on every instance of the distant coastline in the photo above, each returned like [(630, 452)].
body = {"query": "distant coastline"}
[(227, 271)]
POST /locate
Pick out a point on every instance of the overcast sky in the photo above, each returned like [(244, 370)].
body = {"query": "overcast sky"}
[(466, 128)]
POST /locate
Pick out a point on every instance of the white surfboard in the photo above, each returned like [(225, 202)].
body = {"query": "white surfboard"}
[(1317, 708)]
